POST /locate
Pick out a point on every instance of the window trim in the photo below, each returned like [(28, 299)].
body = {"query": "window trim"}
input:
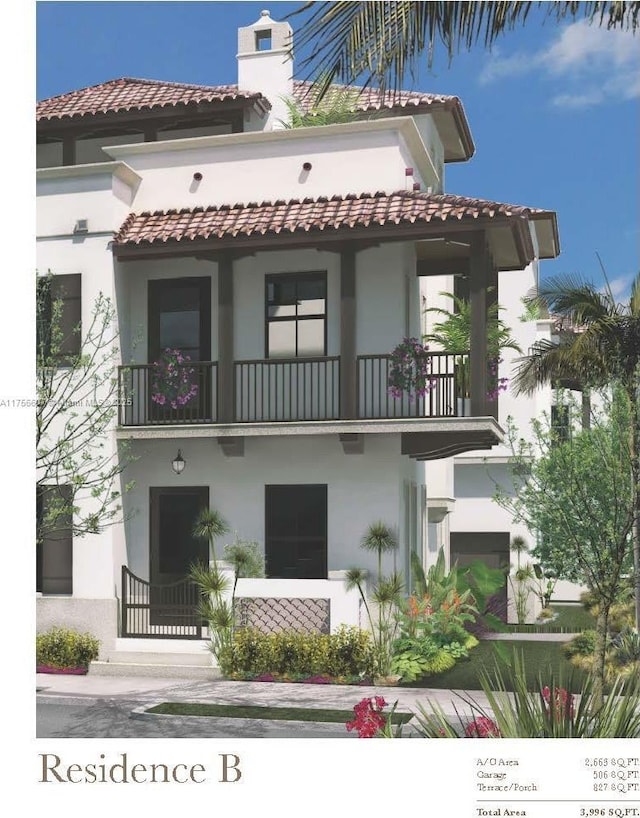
[(271, 277)]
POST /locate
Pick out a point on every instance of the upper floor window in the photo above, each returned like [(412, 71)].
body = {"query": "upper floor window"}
[(296, 315), (58, 317), (263, 40), (560, 424)]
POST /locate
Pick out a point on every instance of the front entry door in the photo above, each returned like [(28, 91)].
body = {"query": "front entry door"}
[(296, 531), (173, 550)]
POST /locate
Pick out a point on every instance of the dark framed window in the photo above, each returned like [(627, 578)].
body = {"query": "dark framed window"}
[(296, 315), (58, 318), (560, 423), (296, 525), (461, 289), (54, 547), (180, 317)]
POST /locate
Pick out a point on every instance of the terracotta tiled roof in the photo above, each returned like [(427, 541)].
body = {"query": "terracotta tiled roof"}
[(304, 215), (127, 94), (369, 99)]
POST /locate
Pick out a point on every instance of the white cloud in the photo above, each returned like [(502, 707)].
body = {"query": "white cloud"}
[(620, 287), (593, 64)]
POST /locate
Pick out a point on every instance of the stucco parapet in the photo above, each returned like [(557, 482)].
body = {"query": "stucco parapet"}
[(362, 128), (119, 169)]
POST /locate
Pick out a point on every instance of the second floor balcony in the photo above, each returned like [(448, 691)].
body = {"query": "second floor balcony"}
[(287, 389)]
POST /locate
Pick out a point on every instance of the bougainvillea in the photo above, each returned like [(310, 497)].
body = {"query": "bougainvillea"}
[(368, 717), (496, 384), (410, 370), (173, 382)]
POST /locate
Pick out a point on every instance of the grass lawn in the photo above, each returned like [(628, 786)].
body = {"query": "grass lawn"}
[(571, 619), (540, 659), (234, 711)]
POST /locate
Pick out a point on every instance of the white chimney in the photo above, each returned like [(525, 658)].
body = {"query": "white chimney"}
[(265, 64)]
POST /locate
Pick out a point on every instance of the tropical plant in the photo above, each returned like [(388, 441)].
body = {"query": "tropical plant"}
[(382, 42), (596, 346), (337, 105), (245, 556), (521, 579), (380, 539), (546, 581), (386, 594), (453, 335), (214, 607), (210, 525), (557, 709)]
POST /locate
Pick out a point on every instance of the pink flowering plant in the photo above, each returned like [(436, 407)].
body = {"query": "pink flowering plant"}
[(173, 381), (369, 720), (410, 370)]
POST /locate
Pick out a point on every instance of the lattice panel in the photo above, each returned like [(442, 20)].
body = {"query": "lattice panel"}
[(271, 615)]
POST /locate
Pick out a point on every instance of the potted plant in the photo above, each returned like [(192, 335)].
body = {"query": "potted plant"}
[(453, 335)]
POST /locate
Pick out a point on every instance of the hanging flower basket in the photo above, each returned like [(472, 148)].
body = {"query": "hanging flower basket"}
[(173, 382), (410, 370)]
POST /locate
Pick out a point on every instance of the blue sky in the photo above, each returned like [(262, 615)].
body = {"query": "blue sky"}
[(553, 108)]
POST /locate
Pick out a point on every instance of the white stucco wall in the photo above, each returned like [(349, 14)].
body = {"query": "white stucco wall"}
[(254, 167), (361, 488)]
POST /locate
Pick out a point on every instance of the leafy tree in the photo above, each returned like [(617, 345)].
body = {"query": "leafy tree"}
[(598, 344), (77, 474), (577, 496), (383, 41)]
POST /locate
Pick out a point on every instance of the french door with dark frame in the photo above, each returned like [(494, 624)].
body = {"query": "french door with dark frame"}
[(173, 550), (296, 531), (179, 318)]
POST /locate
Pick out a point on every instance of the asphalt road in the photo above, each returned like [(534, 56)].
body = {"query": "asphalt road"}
[(109, 718)]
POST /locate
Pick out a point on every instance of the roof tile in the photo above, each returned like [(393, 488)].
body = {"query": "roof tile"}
[(352, 210), (130, 94)]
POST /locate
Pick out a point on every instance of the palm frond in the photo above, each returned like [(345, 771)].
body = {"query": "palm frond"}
[(634, 300), (578, 300), (384, 42), (379, 537), (210, 525)]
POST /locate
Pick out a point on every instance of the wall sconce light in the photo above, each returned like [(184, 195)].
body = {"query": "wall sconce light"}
[(178, 463)]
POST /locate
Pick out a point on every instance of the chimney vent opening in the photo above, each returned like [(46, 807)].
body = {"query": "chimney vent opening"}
[(263, 40)]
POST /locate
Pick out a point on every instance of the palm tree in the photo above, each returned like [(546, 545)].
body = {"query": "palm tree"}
[(380, 538), (210, 525), (382, 42), (601, 347)]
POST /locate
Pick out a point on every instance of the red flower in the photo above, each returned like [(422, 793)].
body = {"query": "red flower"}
[(368, 717), (482, 727), (562, 704)]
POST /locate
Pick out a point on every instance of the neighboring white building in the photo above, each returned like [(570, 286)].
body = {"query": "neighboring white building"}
[(287, 265)]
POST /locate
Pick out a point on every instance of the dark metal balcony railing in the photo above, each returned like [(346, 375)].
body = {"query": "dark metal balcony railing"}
[(191, 396), (449, 374), (282, 389), (291, 389)]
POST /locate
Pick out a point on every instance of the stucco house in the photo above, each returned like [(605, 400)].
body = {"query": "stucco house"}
[(284, 265)]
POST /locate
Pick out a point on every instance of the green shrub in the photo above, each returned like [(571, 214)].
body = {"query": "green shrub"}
[(582, 645), (63, 648), (440, 663), (456, 649), (348, 652), (409, 665)]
